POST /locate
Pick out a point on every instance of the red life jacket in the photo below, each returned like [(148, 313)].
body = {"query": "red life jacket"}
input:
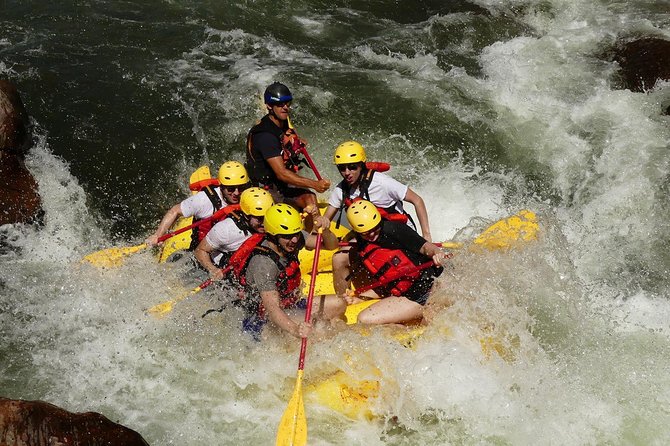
[(288, 280), (293, 147), (377, 166), (240, 258), (381, 262), (200, 185)]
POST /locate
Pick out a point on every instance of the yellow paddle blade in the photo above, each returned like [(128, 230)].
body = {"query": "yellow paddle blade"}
[(451, 245), (293, 425), (505, 233), (112, 257), (164, 308)]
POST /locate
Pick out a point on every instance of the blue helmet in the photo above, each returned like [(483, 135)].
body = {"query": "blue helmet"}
[(277, 92)]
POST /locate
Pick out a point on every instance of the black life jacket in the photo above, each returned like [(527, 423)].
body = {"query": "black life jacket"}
[(259, 170)]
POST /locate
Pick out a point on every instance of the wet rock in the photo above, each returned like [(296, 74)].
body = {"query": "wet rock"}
[(19, 198), (15, 134), (36, 423), (643, 62)]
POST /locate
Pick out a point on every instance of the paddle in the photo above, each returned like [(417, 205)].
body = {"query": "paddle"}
[(292, 429), (299, 147), (164, 308), (236, 262), (113, 257)]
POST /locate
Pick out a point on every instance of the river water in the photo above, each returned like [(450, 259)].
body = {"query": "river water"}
[(483, 107)]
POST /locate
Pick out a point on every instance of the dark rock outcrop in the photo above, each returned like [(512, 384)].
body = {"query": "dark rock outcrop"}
[(19, 198), (36, 423), (643, 62)]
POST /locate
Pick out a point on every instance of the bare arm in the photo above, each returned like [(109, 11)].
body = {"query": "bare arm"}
[(288, 176), (328, 239), (168, 219), (330, 212), (279, 317), (421, 212), (202, 254)]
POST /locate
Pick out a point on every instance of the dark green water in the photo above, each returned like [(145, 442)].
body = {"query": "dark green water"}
[(127, 92)]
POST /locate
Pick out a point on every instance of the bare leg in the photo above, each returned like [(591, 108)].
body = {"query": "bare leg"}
[(391, 310), (329, 307)]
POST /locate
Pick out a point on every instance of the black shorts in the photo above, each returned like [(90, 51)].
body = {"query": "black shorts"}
[(284, 194)]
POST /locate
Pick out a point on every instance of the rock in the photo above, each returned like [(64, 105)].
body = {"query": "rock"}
[(19, 198), (36, 423), (643, 62), (15, 133)]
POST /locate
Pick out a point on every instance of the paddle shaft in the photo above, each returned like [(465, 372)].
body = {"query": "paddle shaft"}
[(312, 166), (208, 282), (165, 307), (310, 297), (302, 149), (215, 215)]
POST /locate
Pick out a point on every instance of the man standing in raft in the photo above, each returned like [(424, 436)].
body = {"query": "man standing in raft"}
[(272, 280), (233, 180), (386, 248), (361, 182), (271, 164)]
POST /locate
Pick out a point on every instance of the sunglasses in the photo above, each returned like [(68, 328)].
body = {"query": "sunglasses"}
[(281, 104), (289, 236), (371, 232), (231, 189), (349, 166)]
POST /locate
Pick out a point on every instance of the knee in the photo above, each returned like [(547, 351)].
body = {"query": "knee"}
[(335, 307), (366, 317)]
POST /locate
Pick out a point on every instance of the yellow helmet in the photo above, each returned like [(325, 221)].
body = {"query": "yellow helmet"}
[(232, 173), (255, 201), (363, 216), (349, 152), (282, 219)]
